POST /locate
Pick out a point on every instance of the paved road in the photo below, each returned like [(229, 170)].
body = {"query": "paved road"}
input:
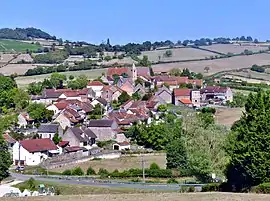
[(109, 183)]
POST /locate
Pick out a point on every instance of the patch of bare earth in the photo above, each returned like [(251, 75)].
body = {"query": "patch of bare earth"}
[(228, 116), (153, 197)]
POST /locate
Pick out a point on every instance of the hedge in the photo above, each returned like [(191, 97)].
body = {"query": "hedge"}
[(263, 188)]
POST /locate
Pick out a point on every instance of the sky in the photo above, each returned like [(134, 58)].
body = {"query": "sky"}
[(124, 21)]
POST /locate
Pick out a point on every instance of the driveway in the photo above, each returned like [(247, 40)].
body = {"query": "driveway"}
[(7, 188)]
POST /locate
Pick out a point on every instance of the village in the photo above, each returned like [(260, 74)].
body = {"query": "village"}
[(103, 112)]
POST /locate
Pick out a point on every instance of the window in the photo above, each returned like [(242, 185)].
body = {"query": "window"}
[(50, 135), (196, 101), (84, 143)]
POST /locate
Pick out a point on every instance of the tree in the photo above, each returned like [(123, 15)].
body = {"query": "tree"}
[(124, 97), (20, 98), (139, 81), (206, 68), (152, 72), (39, 112), (57, 80), (6, 83), (256, 40), (136, 96), (168, 53), (91, 171), (107, 58), (162, 108), (176, 154), (56, 138), (71, 77), (145, 62), (248, 145)]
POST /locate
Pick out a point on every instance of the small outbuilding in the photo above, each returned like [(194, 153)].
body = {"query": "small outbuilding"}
[(121, 146)]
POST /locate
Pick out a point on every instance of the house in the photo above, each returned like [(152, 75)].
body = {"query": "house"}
[(111, 93), (100, 101), (143, 71), (164, 94), (33, 152), (140, 89), (103, 129), (69, 117), (221, 94), (80, 137), (49, 130), (10, 141), (57, 107), (117, 71), (51, 95), (186, 97), (107, 79), (24, 119), (121, 146), (96, 86)]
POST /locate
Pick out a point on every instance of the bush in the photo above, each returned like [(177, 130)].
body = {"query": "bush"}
[(77, 171), (263, 188), (103, 172), (172, 181), (154, 166), (191, 189), (66, 172), (211, 187), (187, 189), (90, 171), (136, 180)]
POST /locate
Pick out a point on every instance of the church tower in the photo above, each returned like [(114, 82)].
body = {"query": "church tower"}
[(134, 73)]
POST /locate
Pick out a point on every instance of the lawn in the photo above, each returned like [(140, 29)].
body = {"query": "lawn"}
[(123, 163), (23, 81), (227, 116), (78, 189), (17, 46), (154, 197)]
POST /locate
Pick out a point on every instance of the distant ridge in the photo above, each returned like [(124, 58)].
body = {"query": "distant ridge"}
[(24, 34)]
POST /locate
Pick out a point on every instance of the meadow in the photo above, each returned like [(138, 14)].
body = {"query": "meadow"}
[(23, 81), (237, 49), (17, 46)]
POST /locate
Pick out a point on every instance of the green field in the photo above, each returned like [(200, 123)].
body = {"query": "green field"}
[(17, 46)]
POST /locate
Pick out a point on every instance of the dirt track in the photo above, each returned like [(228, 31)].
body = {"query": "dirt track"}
[(154, 197)]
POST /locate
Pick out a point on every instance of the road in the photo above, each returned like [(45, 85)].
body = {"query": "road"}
[(108, 183)]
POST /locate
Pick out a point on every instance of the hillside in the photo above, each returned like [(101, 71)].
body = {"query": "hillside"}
[(24, 34), (17, 46)]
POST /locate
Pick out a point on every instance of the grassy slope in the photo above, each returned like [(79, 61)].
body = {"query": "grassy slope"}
[(155, 197), (12, 45), (68, 189)]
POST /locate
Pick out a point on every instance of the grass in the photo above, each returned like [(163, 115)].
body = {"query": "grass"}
[(17, 46), (123, 163), (225, 48), (154, 197), (23, 81), (228, 116), (71, 189)]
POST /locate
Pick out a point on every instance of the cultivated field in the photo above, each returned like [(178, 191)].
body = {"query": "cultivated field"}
[(152, 197), (228, 116), (5, 58), (123, 163), (225, 48), (20, 69), (260, 77), (177, 54), (18, 46), (126, 60), (25, 80), (217, 65), (25, 57)]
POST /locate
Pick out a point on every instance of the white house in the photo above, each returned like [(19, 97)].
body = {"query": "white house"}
[(33, 152), (121, 146), (24, 119), (96, 86)]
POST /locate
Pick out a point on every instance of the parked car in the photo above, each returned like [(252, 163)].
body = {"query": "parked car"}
[(20, 168)]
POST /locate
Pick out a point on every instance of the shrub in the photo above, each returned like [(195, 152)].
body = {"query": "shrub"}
[(31, 184), (187, 189), (154, 166), (115, 173), (263, 188), (66, 172), (103, 172), (191, 189), (172, 181), (136, 180), (57, 191), (77, 171), (211, 187), (90, 171)]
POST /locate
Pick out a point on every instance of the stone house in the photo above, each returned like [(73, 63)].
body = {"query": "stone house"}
[(49, 130), (103, 129), (164, 94)]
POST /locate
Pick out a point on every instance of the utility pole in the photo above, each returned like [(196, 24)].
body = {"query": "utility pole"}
[(143, 164)]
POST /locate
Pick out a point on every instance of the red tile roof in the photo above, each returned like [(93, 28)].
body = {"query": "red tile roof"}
[(38, 145), (61, 105), (125, 143), (214, 89), (182, 92), (185, 101), (196, 82), (63, 143), (95, 83), (116, 71)]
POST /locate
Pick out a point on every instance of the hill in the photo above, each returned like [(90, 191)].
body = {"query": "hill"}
[(17, 46), (24, 34)]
